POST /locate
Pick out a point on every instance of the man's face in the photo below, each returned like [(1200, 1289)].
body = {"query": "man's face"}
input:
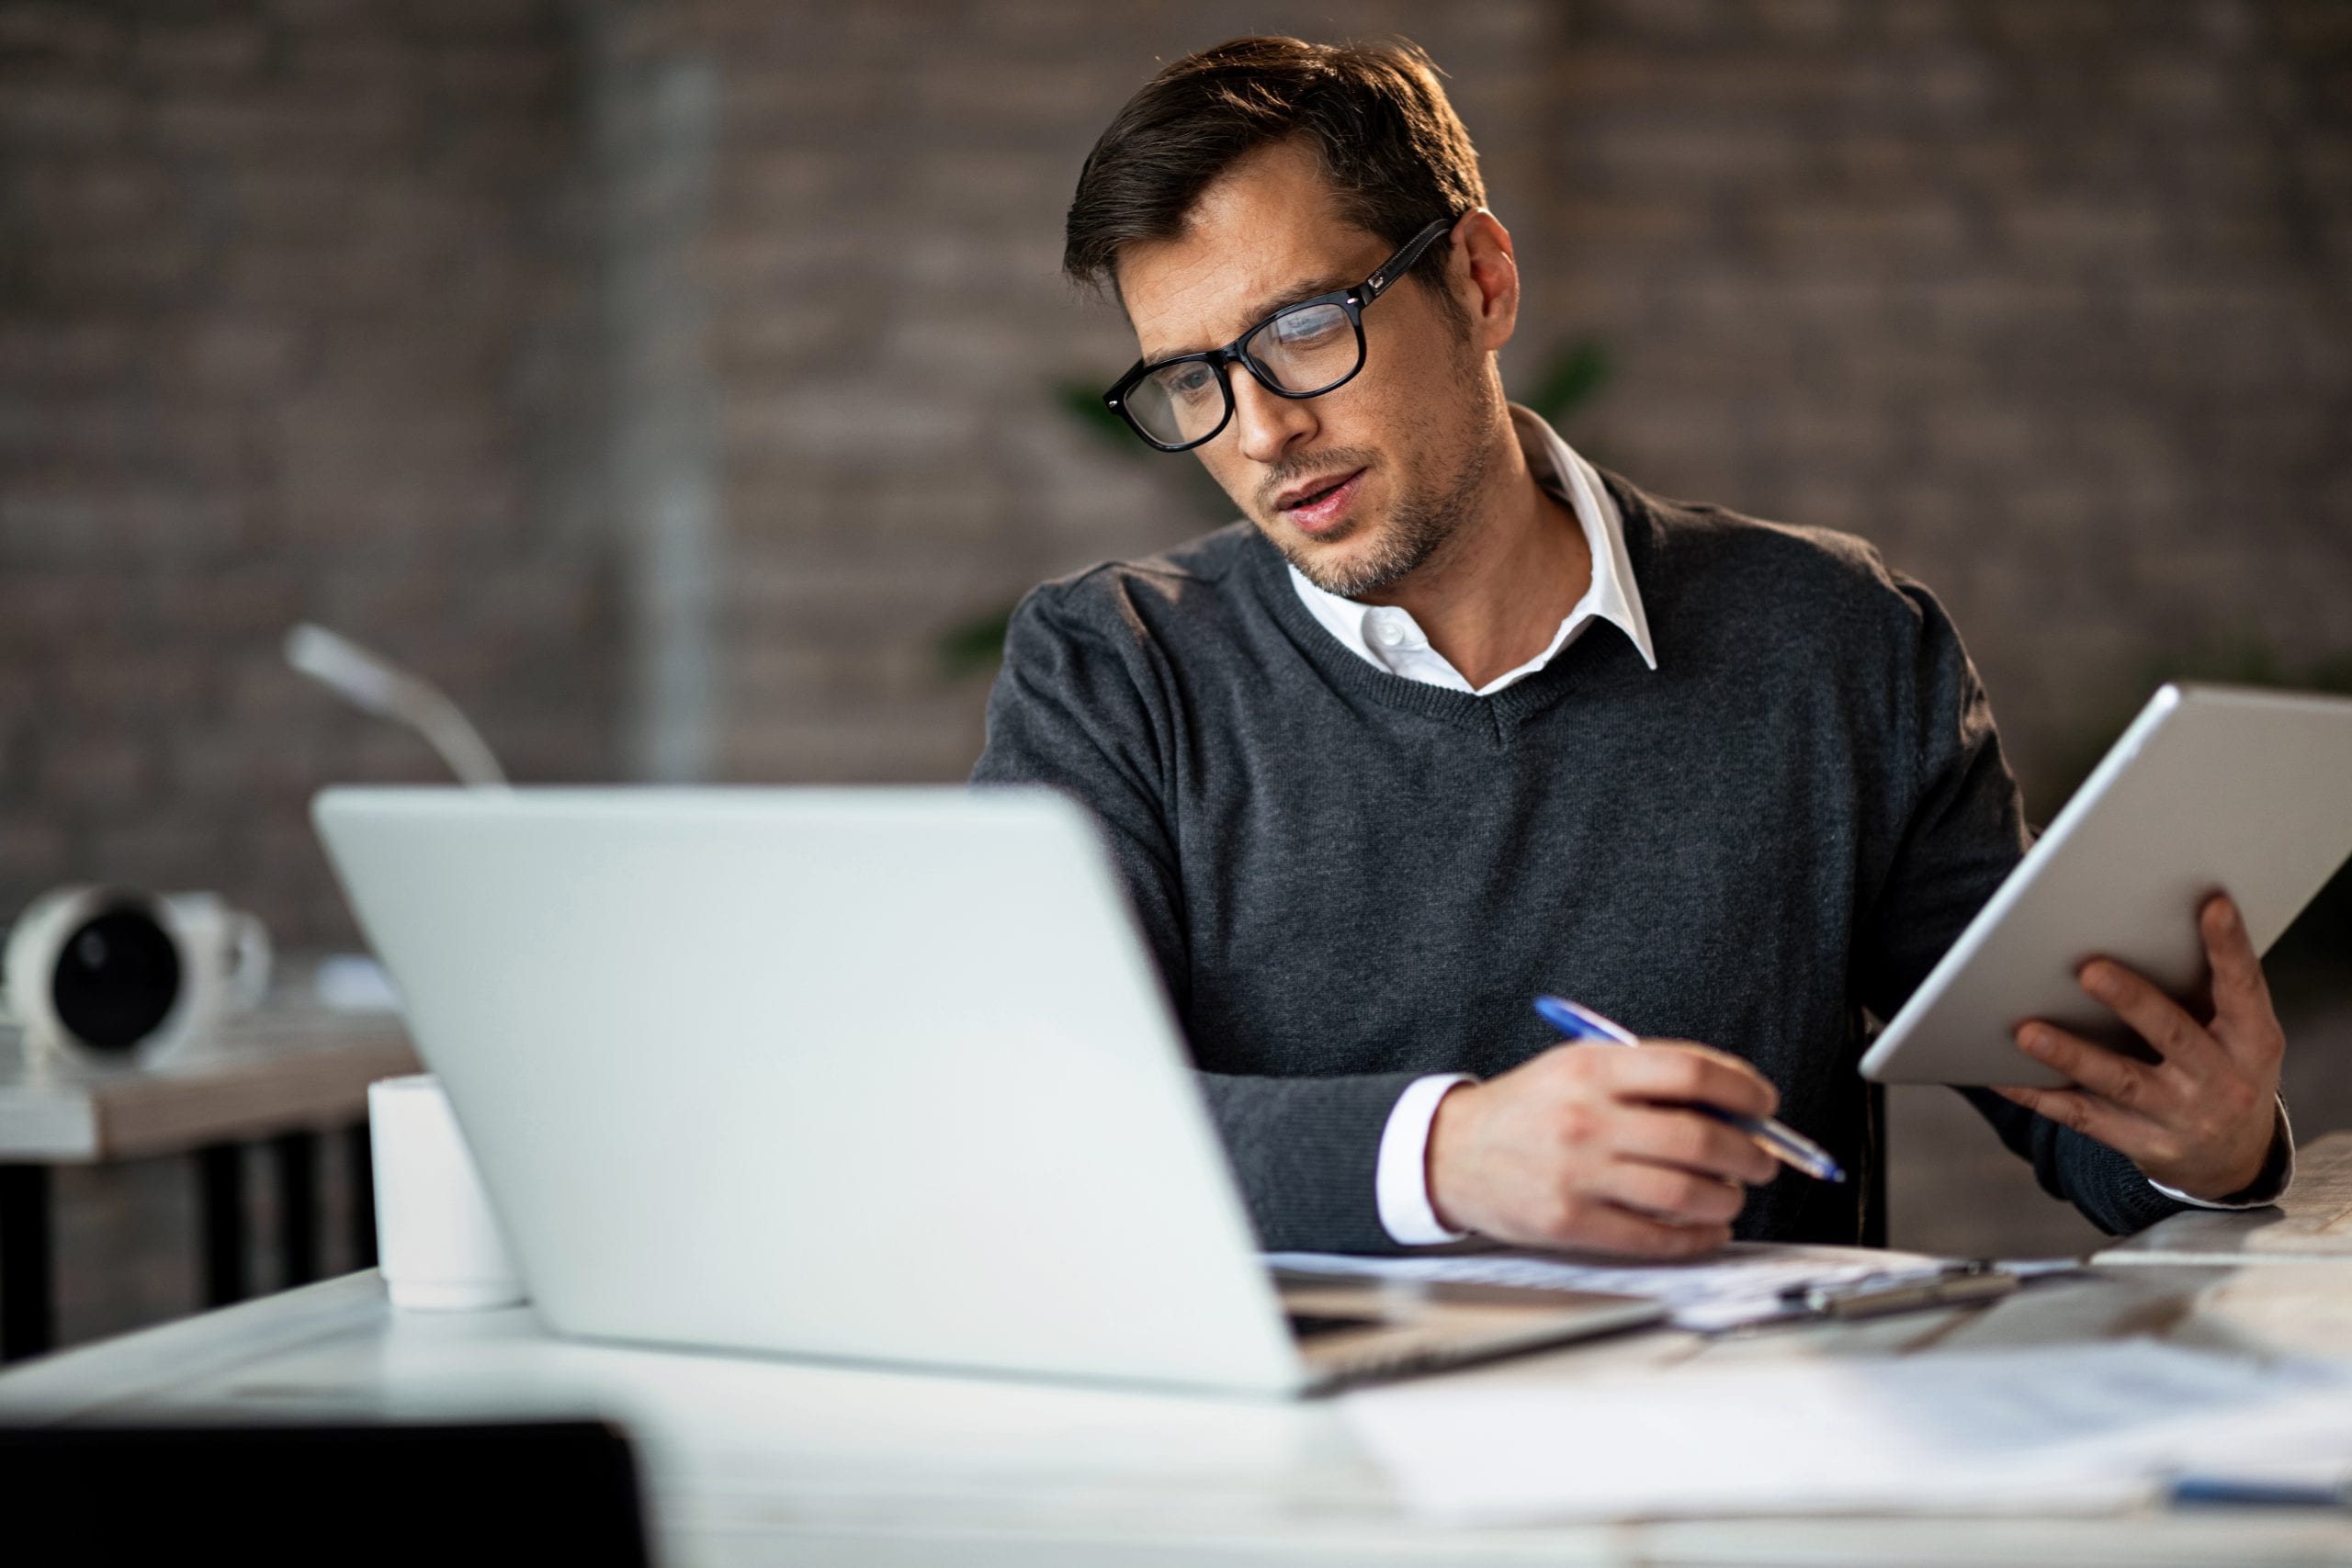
[(1361, 486)]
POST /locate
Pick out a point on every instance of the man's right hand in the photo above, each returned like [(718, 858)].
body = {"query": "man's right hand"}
[(1595, 1148)]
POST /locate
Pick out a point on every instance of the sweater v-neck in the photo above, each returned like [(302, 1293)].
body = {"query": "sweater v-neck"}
[(1499, 714)]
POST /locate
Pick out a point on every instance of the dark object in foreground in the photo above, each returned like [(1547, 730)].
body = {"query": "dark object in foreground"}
[(552, 1492)]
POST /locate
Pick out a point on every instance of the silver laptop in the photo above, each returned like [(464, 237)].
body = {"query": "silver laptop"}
[(879, 1074)]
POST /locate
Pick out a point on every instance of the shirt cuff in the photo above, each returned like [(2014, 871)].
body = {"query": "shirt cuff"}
[(2277, 1174), (1401, 1181)]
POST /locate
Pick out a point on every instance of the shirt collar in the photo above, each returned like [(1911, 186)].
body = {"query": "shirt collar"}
[(1613, 596)]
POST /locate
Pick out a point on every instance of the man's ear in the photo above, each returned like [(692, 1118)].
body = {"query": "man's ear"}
[(1484, 277)]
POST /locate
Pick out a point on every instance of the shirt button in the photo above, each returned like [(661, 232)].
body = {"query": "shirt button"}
[(1389, 633)]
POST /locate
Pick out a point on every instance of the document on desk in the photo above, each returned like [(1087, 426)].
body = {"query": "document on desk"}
[(1739, 1284), (2064, 1428)]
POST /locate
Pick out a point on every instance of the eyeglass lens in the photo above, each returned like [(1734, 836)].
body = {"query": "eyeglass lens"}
[(1306, 350)]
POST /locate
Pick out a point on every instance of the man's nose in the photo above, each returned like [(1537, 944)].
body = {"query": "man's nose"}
[(1268, 426)]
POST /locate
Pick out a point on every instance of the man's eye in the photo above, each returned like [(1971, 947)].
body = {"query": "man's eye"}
[(1305, 328), (1193, 381)]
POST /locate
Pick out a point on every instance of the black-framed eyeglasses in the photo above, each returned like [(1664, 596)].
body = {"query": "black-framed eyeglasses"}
[(1301, 351)]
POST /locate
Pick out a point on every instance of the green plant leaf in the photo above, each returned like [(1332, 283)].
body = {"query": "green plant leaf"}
[(1084, 403), (973, 646), (1574, 375)]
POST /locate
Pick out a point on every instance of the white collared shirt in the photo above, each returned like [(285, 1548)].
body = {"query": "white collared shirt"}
[(1387, 638)]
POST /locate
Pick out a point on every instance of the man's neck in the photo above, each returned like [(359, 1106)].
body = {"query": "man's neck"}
[(1494, 595)]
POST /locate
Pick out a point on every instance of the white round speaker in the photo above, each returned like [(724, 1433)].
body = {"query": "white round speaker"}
[(117, 974)]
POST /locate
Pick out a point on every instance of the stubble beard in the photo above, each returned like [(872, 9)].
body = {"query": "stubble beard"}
[(1415, 530)]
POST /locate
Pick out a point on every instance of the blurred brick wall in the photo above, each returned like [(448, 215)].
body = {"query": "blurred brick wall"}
[(287, 296), (889, 325), (2049, 298), (299, 314)]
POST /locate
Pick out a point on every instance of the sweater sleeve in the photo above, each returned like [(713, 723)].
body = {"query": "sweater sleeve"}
[(1963, 832), (1085, 705)]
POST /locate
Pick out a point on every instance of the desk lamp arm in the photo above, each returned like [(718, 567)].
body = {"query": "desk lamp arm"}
[(377, 685)]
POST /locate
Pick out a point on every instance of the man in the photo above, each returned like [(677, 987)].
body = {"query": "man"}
[(1453, 718)]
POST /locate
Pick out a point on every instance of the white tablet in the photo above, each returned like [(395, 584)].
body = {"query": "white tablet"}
[(2213, 789)]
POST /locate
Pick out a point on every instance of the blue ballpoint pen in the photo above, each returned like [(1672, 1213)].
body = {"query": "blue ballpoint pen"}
[(2226, 1491), (1785, 1144)]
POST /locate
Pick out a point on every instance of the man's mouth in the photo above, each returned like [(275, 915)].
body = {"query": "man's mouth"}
[(1319, 504)]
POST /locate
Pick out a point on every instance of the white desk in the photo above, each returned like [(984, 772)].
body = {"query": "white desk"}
[(768, 1461)]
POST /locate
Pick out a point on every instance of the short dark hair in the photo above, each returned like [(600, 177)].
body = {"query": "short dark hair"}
[(1395, 152)]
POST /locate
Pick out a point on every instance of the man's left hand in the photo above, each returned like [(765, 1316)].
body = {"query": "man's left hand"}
[(2200, 1121)]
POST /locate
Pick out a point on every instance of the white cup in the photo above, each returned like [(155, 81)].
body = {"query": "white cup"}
[(438, 1246)]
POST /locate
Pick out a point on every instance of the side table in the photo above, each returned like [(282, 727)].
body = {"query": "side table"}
[(288, 1075)]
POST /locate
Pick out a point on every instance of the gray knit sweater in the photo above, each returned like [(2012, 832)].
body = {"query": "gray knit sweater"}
[(1351, 879)]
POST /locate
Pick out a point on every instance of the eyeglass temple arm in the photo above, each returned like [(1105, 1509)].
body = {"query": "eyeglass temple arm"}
[(1398, 265)]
